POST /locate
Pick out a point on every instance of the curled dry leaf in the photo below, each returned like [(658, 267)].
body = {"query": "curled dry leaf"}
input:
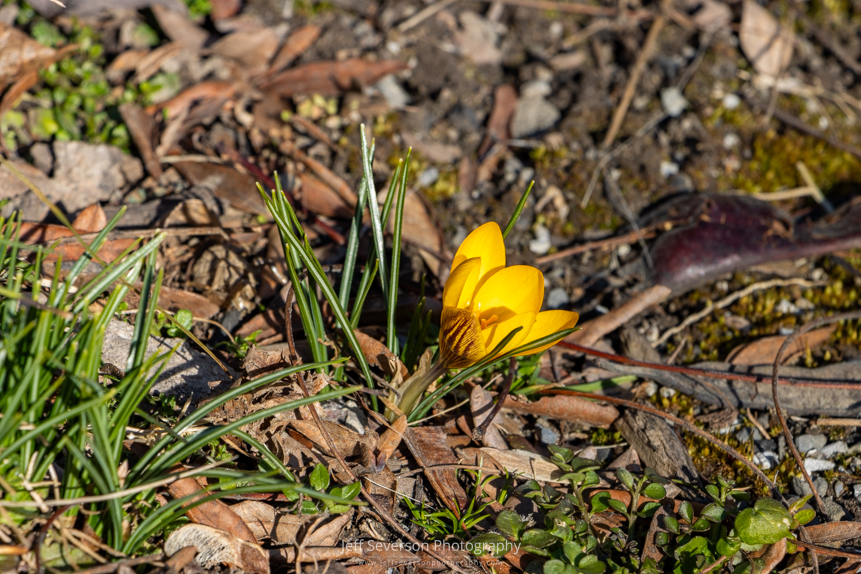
[(212, 513), (389, 441), (19, 54), (294, 46), (46, 233), (91, 219), (764, 351), (252, 48), (831, 532), (766, 43), (216, 547), (379, 355), (561, 407), (419, 230), (321, 199), (773, 556), (481, 403)]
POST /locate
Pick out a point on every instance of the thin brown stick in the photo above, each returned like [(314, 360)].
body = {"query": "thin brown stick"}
[(710, 374), (634, 79), (774, 378), (626, 239)]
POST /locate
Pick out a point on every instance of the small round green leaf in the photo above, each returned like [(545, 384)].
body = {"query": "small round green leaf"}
[(767, 522)]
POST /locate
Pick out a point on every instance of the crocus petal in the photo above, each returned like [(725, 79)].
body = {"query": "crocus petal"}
[(496, 332), (460, 340), (460, 286), (547, 323), (510, 291), (484, 242)]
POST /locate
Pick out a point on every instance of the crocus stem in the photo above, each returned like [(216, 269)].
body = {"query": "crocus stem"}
[(416, 386)]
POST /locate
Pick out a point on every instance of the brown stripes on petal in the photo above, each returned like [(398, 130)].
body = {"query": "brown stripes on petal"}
[(460, 338)]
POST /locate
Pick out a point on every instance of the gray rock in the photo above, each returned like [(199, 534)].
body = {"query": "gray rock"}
[(764, 445), (856, 492), (833, 509), (834, 448), (801, 488), (744, 434), (557, 298), (346, 413), (808, 442), (533, 115), (43, 157), (839, 487), (549, 435), (187, 373), (781, 446), (817, 465), (668, 392), (86, 173), (650, 388)]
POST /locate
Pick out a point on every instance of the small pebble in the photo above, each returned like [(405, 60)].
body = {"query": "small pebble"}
[(650, 388), (541, 244), (673, 102), (834, 511), (730, 140), (856, 491), (668, 392), (808, 442), (784, 307), (731, 101), (549, 435), (557, 298), (765, 460), (804, 304), (801, 488), (428, 177), (817, 465), (839, 487), (834, 448), (669, 169)]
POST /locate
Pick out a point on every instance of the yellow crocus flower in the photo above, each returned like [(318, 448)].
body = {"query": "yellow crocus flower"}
[(483, 301)]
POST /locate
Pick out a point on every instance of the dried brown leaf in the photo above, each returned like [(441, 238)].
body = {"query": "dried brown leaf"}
[(179, 28), (19, 54), (267, 524), (212, 513), (226, 183), (763, 351), (91, 219), (834, 532), (142, 128), (766, 43), (481, 403), (294, 46), (562, 407), (329, 533), (331, 78), (427, 444)]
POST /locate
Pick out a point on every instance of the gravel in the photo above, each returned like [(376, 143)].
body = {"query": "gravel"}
[(817, 465), (834, 448), (808, 442)]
